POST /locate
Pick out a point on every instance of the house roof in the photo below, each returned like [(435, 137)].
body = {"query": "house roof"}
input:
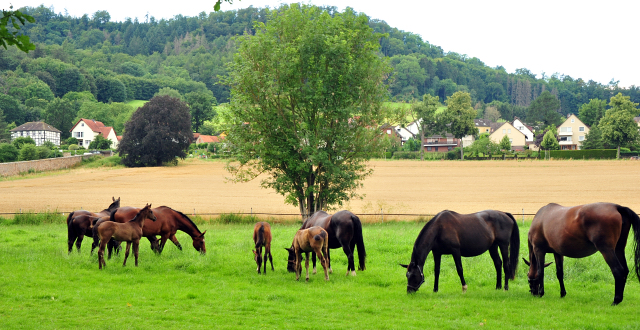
[(195, 136), (208, 138), (96, 126), (35, 126), (508, 123), (482, 122)]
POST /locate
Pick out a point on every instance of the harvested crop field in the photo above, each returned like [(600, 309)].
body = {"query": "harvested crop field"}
[(407, 187)]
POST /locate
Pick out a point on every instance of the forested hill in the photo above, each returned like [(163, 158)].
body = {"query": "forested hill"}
[(119, 61)]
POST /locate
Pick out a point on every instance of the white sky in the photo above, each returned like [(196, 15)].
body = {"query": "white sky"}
[(583, 39)]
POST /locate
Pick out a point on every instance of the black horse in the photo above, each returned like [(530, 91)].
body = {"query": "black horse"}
[(344, 229), (465, 235)]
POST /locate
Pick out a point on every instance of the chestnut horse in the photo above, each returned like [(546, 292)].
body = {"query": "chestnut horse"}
[(466, 235), (313, 239), (111, 245), (262, 238), (79, 223), (169, 221), (130, 232), (345, 231), (578, 232)]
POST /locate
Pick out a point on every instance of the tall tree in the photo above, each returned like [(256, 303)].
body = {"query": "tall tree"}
[(307, 89), (549, 141), (617, 125), (158, 132), (544, 109), (424, 114), (459, 117), (201, 105), (590, 113), (60, 114)]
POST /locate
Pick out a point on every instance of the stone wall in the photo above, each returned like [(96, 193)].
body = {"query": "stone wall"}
[(15, 168)]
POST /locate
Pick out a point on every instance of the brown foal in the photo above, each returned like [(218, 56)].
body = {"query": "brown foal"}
[(314, 239), (262, 237)]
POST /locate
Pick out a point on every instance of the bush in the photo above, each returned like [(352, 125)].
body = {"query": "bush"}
[(28, 152), (583, 154), (43, 152), (71, 141), (73, 147), (21, 141), (8, 153), (406, 155)]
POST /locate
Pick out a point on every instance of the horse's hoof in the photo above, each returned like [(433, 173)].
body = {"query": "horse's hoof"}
[(326, 278), (314, 271), (464, 288), (307, 280), (353, 273), (330, 270)]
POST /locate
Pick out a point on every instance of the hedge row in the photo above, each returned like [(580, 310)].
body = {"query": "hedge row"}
[(583, 154)]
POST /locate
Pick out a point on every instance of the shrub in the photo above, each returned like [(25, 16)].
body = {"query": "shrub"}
[(73, 147), (43, 152), (21, 141), (8, 153), (584, 154), (28, 152)]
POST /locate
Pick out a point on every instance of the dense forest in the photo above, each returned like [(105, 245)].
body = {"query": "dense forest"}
[(90, 65)]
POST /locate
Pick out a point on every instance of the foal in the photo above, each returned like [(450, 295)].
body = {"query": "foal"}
[(314, 239), (262, 237), (131, 232)]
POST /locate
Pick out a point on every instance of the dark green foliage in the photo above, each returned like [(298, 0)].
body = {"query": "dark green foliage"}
[(583, 154), (590, 113), (101, 143), (71, 140), (158, 132), (8, 153), (545, 109), (61, 114), (411, 145), (28, 152), (19, 142), (505, 144), (110, 90), (11, 109), (43, 152), (10, 34), (201, 105)]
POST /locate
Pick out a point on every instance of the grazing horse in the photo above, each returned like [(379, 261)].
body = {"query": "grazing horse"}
[(262, 237), (311, 239), (168, 222), (345, 230), (578, 232), (466, 235), (79, 223), (130, 231)]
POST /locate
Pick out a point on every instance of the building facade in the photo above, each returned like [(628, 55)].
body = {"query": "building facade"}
[(86, 130), (38, 131), (517, 138), (572, 133)]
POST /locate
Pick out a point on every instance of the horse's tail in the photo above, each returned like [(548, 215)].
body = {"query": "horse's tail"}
[(260, 237), (357, 235), (628, 214), (514, 248), (69, 218)]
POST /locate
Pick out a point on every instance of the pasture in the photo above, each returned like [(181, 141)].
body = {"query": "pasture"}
[(44, 287)]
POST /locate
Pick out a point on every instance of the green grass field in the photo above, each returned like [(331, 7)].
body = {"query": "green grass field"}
[(137, 103), (44, 287)]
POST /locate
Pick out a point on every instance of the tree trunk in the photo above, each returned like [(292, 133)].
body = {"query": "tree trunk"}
[(461, 151), (422, 143), (618, 154)]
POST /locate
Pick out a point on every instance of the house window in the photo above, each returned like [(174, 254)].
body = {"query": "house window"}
[(79, 134), (565, 129), (581, 138), (573, 120), (510, 140), (82, 124), (581, 129), (504, 131), (388, 131), (87, 142), (428, 148), (449, 148), (509, 131)]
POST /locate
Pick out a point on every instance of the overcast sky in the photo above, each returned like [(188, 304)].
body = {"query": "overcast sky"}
[(581, 39)]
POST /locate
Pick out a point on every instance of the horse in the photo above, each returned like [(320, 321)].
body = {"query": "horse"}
[(262, 237), (345, 230), (466, 235), (131, 232), (168, 222), (111, 245), (79, 223), (578, 232), (311, 239)]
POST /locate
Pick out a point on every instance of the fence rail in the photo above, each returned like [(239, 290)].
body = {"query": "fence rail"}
[(272, 214)]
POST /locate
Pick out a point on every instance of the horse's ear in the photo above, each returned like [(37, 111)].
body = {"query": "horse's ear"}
[(405, 266), (289, 249), (526, 262), (202, 235), (547, 264), (254, 251), (113, 198)]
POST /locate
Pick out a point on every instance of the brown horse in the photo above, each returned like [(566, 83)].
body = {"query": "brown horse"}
[(130, 232), (169, 221), (313, 239), (79, 223), (578, 232), (345, 231), (262, 237), (111, 245), (465, 235)]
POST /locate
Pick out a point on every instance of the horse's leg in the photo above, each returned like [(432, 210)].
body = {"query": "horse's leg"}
[(619, 273), (329, 261), (313, 259), (175, 241), (560, 272), (136, 244), (306, 264), (506, 266), (163, 241), (79, 242), (437, 258), (264, 261), (539, 254), (126, 254), (259, 252), (101, 255), (111, 245), (457, 258), (154, 243), (268, 251), (323, 262), (351, 268), (497, 263), (298, 265)]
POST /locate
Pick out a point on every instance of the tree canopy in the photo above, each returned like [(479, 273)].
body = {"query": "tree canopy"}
[(617, 126), (306, 99), (158, 132), (459, 116)]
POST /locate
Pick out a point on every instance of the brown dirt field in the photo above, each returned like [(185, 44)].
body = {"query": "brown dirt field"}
[(396, 186)]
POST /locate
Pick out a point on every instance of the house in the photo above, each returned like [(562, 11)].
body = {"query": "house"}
[(404, 134), (390, 131), (440, 143), (207, 139), (526, 130), (39, 131), (571, 133), (517, 138), (85, 131), (483, 125)]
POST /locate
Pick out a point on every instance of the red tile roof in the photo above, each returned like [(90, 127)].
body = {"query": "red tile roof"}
[(207, 139), (96, 126)]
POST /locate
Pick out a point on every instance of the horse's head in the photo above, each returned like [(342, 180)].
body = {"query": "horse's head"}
[(115, 204), (291, 260), (146, 212), (415, 277), (536, 287), (198, 243), (258, 258)]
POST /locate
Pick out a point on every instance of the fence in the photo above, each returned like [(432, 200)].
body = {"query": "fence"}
[(15, 168)]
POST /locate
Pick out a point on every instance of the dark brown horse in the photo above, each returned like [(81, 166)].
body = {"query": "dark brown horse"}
[(578, 232), (79, 223), (466, 235), (262, 238), (345, 231), (307, 240), (130, 232), (168, 222)]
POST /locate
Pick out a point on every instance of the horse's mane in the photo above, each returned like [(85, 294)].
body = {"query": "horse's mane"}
[(185, 217), (428, 225)]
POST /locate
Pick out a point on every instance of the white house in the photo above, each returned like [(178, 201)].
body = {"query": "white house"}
[(39, 131), (86, 130), (526, 130), (404, 133)]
